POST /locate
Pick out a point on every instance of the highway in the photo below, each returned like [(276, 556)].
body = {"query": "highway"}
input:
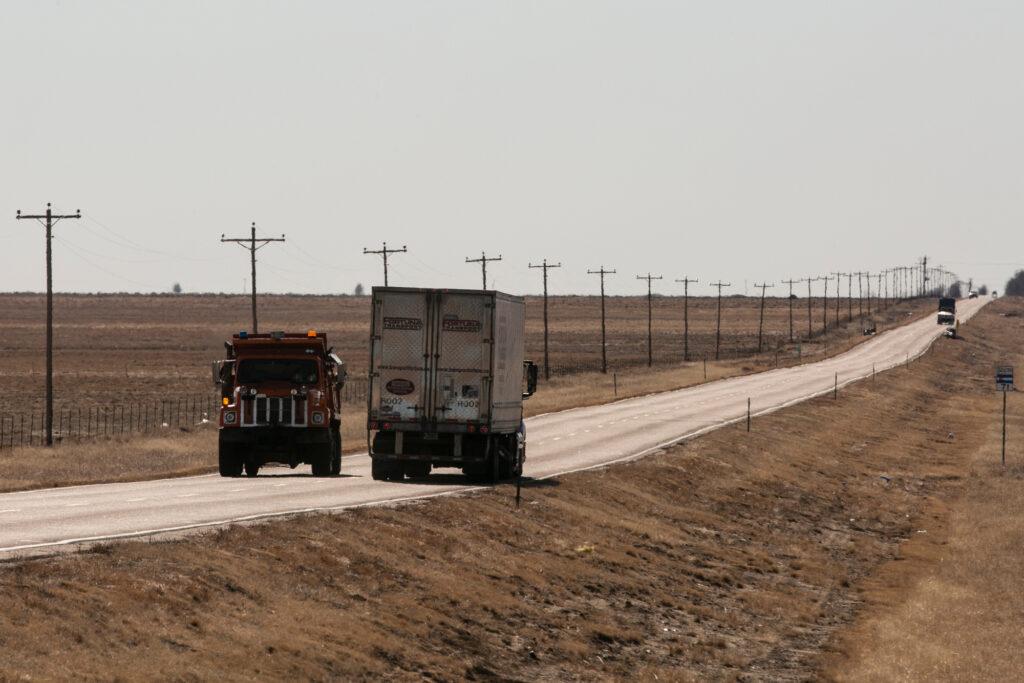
[(48, 520)]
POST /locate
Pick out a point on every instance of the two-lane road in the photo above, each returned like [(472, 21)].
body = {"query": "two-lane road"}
[(41, 521)]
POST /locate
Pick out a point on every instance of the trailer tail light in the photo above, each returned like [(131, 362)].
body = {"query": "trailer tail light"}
[(386, 426), (373, 425), (471, 428), (484, 430)]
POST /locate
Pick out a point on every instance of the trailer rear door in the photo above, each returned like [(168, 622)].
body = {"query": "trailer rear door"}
[(401, 337), (462, 378)]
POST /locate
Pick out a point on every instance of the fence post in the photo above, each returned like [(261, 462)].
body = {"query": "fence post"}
[(835, 389), (615, 383), (748, 413), (705, 365)]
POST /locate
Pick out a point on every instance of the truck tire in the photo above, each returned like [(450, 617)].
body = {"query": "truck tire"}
[(383, 470), (417, 470), (228, 460), (252, 467), (321, 459), (335, 451)]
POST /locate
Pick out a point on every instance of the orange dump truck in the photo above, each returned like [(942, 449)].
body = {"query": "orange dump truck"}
[(280, 403)]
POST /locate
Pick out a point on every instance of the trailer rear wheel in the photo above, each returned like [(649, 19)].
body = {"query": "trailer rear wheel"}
[(417, 470), (383, 470)]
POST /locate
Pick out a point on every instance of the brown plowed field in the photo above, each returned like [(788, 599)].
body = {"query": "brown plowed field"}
[(113, 348)]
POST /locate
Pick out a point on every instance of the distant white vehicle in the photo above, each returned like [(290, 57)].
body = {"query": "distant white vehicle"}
[(972, 294)]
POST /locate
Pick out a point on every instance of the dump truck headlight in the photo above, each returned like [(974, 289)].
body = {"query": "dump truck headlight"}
[(318, 418), (230, 417)]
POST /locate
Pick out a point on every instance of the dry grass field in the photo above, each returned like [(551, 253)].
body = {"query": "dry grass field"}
[(113, 348), (813, 547)]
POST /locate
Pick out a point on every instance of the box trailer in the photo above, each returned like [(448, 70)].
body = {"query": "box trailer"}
[(447, 381)]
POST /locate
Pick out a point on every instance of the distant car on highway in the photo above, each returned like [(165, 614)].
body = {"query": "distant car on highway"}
[(972, 295)]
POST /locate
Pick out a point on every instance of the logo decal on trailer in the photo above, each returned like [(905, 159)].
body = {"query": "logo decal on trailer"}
[(403, 324), (400, 387), (453, 324)]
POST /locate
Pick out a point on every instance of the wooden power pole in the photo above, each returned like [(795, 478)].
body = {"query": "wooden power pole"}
[(384, 251), (545, 266), (790, 283), (484, 258), (718, 324), (48, 220), (760, 324), (686, 317), (650, 305), (253, 245), (604, 342)]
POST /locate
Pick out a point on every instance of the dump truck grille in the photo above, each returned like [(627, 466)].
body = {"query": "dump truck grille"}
[(264, 411)]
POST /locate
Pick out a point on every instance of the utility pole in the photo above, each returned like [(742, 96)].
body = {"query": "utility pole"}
[(604, 344), (824, 305), (253, 245), (484, 258), (760, 324), (924, 276), (849, 295), (384, 251), (878, 293), (650, 304), (545, 265), (790, 283), (839, 299), (867, 279), (718, 326), (686, 317), (810, 333), (48, 220), (860, 296)]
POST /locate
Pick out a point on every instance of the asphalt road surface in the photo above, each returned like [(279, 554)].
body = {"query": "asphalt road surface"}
[(44, 521)]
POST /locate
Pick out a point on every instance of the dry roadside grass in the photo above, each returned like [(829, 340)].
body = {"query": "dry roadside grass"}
[(952, 608), (735, 555)]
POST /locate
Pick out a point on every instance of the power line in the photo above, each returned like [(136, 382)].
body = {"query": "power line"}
[(384, 251), (484, 258), (604, 343), (686, 317), (48, 220), (253, 245), (650, 304), (545, 266)]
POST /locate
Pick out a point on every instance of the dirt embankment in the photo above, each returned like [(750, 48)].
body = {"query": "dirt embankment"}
[(735, 554)]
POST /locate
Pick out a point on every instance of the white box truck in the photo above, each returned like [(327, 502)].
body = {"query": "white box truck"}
[(447, 382)]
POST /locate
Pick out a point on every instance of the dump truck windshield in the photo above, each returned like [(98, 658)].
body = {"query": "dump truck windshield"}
[(295, 371)]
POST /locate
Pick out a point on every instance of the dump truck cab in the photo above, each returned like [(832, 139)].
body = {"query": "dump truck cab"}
[(280, 403)]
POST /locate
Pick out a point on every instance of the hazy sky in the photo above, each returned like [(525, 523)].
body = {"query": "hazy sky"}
[(740, 141)]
